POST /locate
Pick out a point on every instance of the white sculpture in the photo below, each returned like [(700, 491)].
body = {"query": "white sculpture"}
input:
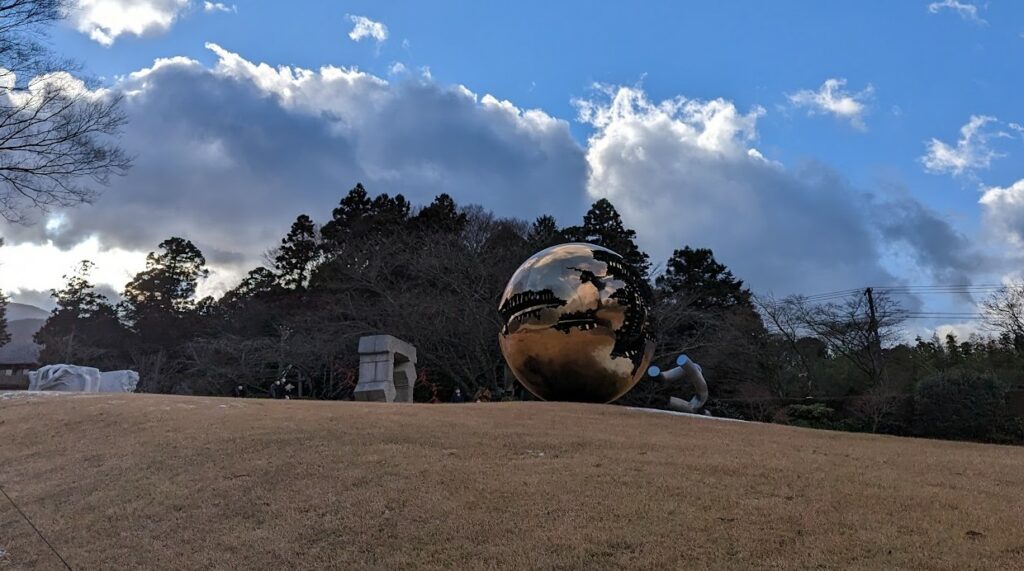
[(74, 378), (387, 369), (692, 371)]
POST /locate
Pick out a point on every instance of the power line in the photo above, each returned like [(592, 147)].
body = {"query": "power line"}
[(36, 529), (908, 290)]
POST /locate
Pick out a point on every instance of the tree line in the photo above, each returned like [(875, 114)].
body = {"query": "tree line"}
[(433, 276)]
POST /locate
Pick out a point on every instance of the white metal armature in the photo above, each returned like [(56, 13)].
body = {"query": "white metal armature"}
[(691, 371)]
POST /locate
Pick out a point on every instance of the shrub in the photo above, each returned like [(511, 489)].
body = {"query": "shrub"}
[(959, 405), (815, 415)]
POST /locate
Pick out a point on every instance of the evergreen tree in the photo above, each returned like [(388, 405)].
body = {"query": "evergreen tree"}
[(164, 292), (442, 215), (298, 253), (708, 284), (544, 233), (358, 216), (603, 226), (258, 282), (84, 327), (350, 213), (387, 213), (78, 297)]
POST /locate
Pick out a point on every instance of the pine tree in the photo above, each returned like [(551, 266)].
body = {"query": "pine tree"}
[(442, 215), (84, 327), (603, 226), (350, 213), (708, 284), (298, 253), (544, 233), (168, 284), (358, 216), (258, 282)]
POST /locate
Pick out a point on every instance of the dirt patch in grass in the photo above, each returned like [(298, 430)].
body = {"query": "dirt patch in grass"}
[(159, 482)]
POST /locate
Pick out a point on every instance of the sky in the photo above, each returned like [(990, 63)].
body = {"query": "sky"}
[(814, 146)]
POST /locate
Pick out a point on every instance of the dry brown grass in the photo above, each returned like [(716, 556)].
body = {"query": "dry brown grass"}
[(157, 482)]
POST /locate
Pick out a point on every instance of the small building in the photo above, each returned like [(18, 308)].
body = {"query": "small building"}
[(16, 360)]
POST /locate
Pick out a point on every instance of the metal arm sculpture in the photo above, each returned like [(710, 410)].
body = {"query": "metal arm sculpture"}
[(686, 369)]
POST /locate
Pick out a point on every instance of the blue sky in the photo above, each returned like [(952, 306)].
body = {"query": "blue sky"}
[(901, 73), (934, 70)]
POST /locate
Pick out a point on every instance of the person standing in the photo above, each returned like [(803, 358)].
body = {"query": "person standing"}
[(457, 395)]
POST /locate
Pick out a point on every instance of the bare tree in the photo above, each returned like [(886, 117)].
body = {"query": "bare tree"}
[(57, 137), (846, 328), (783, 318), (1004, 312)]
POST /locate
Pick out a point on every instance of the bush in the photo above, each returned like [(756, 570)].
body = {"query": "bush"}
[(959, 405), (815, 415)]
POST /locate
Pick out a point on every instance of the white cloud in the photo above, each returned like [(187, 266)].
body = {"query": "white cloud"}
[(40, 266), (364, 27), (972, 150), (228, 155), (965, 10), (105, 20), (831, 99), (1003, 213), (962, 331), (683, 172), (219, 7), (397, 68)]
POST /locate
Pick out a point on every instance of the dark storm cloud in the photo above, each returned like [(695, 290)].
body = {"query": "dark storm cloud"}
[(228, 157), (935, 246)]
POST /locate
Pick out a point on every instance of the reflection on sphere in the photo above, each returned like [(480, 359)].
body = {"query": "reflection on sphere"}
[(575, 324)]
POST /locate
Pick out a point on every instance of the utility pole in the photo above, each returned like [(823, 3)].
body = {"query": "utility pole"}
[(874, 339)]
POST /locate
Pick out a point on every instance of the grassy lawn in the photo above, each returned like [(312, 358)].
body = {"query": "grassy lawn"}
[(162, 482)]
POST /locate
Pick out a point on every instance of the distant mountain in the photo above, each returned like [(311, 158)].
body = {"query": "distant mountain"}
[(19, 311), (22, 323)]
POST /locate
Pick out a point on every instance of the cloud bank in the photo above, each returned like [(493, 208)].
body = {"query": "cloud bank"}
[(228, 155), (1003, 213)]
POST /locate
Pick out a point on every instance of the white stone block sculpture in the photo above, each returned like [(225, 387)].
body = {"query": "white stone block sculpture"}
[(77, 379), (387, 369)]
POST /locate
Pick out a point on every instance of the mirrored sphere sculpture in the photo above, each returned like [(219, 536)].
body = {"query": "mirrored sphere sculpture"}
[(576, 325)]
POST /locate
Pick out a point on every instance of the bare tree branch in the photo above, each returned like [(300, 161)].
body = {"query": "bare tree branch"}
[(58, 139)]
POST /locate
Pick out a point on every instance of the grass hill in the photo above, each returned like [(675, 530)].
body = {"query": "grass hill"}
[(162, 482)]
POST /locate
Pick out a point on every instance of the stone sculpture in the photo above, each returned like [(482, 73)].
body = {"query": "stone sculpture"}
[(387, 369), (575, 324), (75, 378)]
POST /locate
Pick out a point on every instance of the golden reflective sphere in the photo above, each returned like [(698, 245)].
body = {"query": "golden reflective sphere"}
[(575, 324)]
